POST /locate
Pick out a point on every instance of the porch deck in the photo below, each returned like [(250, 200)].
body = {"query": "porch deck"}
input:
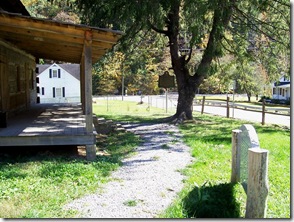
[(47, 124)]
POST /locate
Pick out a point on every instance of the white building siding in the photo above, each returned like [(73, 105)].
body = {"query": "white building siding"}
[(56, 85), (281, 90)]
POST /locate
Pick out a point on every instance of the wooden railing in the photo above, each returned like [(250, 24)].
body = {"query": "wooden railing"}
[(262, 108)]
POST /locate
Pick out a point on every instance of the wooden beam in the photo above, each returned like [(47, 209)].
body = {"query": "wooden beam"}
[(54, 48), (87, 65), (40, 35), (49, 39), (82, 82), (38, 24), (47, 140), (88, 81), (54, 27)]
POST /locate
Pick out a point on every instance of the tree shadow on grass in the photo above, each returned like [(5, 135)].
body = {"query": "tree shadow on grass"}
[(212, 201)]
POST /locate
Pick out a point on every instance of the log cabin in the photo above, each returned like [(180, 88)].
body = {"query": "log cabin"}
[(23, 41)]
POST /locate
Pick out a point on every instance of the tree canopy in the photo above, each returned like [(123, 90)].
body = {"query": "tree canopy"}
[(255, 34), (252, 31)]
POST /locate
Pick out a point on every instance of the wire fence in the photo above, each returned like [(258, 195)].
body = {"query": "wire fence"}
[(168, 103)]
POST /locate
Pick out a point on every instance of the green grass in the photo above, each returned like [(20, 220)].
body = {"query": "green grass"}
[(130, 203), (207, 191), (209, 175), (128, 111), (39, 185)]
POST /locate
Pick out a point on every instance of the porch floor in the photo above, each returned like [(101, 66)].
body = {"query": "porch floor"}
[(47, 124)]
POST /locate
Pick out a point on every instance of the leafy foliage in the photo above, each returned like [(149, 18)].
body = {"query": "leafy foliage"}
[(251, 31), (60, 10), (139, 66)]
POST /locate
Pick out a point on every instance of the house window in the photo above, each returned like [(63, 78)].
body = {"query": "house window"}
[(54, 73), (58, 92), (43, 91), (274, 91)]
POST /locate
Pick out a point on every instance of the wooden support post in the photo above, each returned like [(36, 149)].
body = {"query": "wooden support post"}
[(82, 82), (263, 112), (203, 102), (257, 190), (228, 107), (87, 65), (235, 174)]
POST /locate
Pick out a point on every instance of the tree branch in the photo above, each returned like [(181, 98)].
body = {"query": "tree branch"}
[(221, 18), (190, 55), (164, 32), (250, 22)]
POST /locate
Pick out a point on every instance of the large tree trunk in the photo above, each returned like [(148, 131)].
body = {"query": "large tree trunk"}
[(185, 102), (186, 88), (186, 83)]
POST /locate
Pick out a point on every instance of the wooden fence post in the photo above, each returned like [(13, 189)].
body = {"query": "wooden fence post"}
[(235, 173), (263, 112), (257, 190), (203, 101), (228, 107)]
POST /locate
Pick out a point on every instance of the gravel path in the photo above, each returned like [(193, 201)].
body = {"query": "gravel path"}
[(147, 182)]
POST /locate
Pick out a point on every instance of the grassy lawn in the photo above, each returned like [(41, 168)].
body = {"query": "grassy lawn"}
[(39, 185), (208, 192), (208, 177), (125, 111)]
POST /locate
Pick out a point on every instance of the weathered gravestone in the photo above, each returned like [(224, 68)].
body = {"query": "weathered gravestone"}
[(250, 168), (247, 138)]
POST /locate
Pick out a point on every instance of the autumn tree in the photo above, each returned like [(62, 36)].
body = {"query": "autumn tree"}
[(139, 67), (59, 10), (248, 75), (256, 29)]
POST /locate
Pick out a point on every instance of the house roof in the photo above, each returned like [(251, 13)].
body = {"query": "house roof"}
[(72, 69), (54, 40), (282, 84)]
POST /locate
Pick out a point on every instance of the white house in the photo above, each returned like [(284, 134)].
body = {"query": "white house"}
[(58, 83), (281, 89)]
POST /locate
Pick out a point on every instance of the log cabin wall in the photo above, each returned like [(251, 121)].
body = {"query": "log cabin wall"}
[(17, 79)]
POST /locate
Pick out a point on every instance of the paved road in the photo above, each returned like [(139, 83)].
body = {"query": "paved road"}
[(247, 115), (160, 102)]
